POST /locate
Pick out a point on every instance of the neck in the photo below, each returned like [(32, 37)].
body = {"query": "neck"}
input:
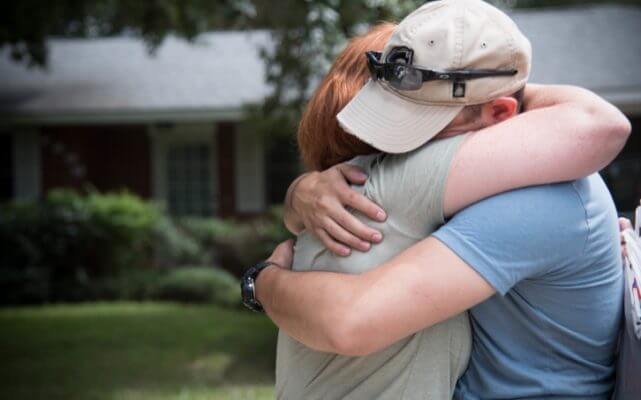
[(459, 129), (445, 134)]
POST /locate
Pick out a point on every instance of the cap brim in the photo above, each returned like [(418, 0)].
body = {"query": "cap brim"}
[(390, 123)]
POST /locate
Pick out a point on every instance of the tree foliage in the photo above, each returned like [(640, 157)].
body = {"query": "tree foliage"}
[(307, 33), (25, 24)]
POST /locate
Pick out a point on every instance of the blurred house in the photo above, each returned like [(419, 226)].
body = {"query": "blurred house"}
[(107, 114), (597, 47), (169, 127)]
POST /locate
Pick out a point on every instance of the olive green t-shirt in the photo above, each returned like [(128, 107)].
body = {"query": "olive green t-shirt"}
[(426, 365)]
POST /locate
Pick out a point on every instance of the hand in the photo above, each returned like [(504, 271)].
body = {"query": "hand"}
[(321, 199), (283, 255), (624, 224)]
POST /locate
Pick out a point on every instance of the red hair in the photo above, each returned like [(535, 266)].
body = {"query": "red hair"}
[(322, 142)]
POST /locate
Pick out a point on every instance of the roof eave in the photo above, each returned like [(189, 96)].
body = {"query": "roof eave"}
[(122, 116)]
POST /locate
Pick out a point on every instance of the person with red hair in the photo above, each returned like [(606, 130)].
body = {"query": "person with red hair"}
[(321, 141), (389, 320)]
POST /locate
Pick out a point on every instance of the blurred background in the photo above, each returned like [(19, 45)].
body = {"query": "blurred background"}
[(145, 150)]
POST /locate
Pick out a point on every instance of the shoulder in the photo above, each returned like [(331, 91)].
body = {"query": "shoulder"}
[(527, 222), (549, 204), (433, 151), (418, 171), (519, 234), (545, 216), (411, 185), (549, 217)]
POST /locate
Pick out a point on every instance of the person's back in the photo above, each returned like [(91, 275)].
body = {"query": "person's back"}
[(410, 187), (552, 328)]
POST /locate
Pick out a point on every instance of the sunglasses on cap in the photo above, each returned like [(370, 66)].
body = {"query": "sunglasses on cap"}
[(406, 77)]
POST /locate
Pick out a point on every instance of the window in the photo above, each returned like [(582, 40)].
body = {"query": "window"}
[(184, 168), (6, 167), (190, 180), (281, 167)]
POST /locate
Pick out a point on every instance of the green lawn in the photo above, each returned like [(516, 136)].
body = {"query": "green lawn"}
[(134, 351)]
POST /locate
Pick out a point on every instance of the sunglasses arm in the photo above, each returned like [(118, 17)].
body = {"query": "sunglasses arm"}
[(464, 75)]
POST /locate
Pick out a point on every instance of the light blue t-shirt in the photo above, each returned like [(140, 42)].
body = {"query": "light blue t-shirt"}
[(552, 254)]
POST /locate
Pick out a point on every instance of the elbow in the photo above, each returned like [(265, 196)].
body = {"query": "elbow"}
[(619, 129), (347, 336), (624, 129), (605, 133), (614, 129), (615, 134)]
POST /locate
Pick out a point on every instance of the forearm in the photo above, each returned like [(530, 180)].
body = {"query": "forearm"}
[(597, 110), (309, 306), (566, 133), (583, 131), (541, 96), (357, 315)]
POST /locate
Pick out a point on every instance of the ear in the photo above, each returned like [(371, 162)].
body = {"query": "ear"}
[(500, 109)]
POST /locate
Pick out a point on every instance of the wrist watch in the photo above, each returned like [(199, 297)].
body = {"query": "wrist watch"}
[(248, 288)]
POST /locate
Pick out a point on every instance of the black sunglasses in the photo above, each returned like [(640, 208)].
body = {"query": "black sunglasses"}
[(406, 77)]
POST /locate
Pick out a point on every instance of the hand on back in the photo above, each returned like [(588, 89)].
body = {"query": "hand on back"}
[(496, 159), (322, 201)]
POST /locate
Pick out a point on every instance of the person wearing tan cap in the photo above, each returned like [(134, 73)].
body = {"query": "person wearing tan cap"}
[(441, 58), (404, 319)]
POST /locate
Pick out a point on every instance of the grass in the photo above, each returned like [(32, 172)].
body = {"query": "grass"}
[(135, 351)]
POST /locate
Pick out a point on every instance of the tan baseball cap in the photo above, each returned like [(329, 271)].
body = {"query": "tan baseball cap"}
[(441, 36)]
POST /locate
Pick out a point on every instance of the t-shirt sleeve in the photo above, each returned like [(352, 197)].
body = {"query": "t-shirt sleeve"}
[(523, 234), (411, 186)]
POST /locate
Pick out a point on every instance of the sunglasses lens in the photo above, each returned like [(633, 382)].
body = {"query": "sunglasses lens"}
[(406, 78)]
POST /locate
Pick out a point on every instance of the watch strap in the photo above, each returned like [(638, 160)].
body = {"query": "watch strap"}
[(248, 286)]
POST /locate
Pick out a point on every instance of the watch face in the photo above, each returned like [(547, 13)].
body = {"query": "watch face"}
[(247, 289)]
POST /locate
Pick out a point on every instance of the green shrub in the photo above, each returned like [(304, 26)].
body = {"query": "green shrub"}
[(133, 285), (76, 242), (198, 285), (24, 286), (70, 234), (235, 245), (136, 284), (174, 247), (72, 247)]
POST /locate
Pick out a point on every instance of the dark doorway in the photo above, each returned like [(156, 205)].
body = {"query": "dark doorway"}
[(623, 176), (6, 167), (281, 168)]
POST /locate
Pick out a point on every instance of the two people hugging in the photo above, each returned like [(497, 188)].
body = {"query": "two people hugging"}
[(459, 242)]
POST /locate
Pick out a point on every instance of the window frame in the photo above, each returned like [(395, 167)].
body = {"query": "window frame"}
[(167, 136)]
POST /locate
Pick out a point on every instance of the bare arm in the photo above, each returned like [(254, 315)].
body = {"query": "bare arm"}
[(428, 282), (345, 314), (566, 133)]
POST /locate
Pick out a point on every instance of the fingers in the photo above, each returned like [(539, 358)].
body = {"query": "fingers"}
[(339, 234), (356, 227), (283, 255), (624, 250), (624, 224), (352, 173), (363, 205), (331, 244)]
